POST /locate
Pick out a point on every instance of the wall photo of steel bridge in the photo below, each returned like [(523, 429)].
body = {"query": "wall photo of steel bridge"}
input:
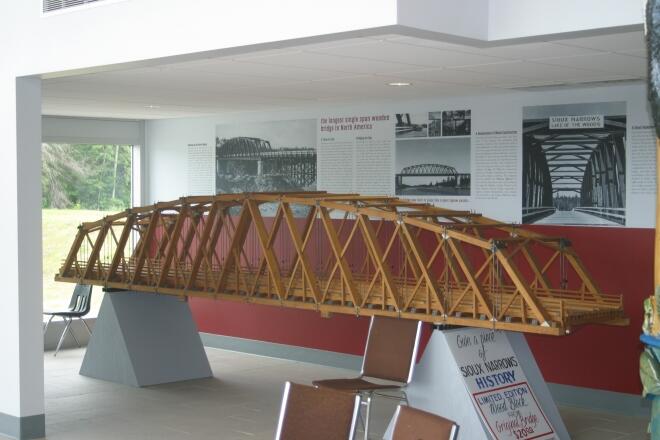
[(433, 167), (574, 164), (275, 156), (411, 125)]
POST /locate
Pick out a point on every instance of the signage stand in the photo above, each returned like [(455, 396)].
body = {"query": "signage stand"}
[(439, 385)]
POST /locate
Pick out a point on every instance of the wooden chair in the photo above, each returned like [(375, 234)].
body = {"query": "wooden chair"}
[(389, 356), (415, 424), (79, 306), (314, 413)]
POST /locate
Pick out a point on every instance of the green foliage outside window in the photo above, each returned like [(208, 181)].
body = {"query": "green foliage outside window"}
[(83, 176), (80, 183)]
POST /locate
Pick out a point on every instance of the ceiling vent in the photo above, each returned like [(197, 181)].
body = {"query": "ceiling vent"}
[(58, 5)]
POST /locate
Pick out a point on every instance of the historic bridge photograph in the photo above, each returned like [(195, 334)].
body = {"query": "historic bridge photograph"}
[(411, 125), (574, 164), (433, 167), (266, 157)]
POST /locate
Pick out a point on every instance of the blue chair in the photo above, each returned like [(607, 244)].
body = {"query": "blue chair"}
[(81, 302)]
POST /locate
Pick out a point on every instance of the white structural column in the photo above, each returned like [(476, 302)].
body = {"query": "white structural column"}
[(21, 339)]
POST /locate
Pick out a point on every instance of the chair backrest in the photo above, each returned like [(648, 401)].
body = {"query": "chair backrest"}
[(81, 300), (391, 349), (318, 413), (415, 424)]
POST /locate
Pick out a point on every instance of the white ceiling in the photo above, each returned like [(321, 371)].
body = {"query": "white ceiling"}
[(343, 71)]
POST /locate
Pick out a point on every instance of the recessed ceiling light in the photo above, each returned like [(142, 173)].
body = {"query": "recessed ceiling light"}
[(399, 84), (151, 106)]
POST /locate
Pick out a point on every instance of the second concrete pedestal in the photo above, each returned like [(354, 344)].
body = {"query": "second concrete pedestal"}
[(438, 387)]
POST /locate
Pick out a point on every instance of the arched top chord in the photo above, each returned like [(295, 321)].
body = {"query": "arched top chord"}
[(426, 169)]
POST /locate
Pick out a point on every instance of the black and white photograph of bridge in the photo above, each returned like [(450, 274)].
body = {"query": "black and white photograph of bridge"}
[(457, 123), (433, 167), (574, 164), (435, 124), (268, 156), (411, 125)]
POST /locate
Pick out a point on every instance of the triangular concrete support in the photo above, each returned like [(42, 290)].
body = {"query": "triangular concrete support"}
[(143, 339), (439, 388)]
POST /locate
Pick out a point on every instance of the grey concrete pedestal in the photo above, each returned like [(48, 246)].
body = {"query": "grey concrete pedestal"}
[(143, 339), (439, 388)]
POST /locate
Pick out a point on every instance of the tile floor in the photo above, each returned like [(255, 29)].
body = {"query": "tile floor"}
[(241, 402)]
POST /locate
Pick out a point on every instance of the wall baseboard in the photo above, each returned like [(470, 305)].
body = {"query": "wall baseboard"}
[(579, 397), (601, 400), (28, 427), (283, 351)]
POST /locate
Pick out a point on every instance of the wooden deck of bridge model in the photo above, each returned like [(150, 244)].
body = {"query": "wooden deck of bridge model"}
[(345, 253)]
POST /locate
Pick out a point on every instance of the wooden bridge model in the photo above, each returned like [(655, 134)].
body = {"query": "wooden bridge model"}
[(345, 253)]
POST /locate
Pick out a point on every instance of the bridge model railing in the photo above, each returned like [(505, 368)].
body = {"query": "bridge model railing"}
[(617, 215)]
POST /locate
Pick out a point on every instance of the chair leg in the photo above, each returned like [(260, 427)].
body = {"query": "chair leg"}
[(367, 416), (405, 397), (47, 324), (363, 402), (360, 416), (73, 334), (86, 326), (59, 344)]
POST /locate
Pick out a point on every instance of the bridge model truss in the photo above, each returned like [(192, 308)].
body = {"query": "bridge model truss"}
[(345, 253)]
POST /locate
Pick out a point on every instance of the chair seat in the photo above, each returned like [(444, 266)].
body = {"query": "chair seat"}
[(353, 385), (67, 313)]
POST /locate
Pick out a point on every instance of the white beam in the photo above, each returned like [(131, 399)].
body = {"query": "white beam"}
[(489, 22), (514, 19)]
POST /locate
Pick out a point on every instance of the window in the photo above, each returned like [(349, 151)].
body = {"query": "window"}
[(80, 183)]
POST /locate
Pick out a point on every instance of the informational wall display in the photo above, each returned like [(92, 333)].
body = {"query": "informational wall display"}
[(355, 153), (579, 163), (266, 156), (499, 388), (497, 155), (574, 164), (643, 161), (201, 158), (566, 165)]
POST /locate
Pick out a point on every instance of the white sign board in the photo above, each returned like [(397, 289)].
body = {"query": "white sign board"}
[(576, 121), (201, 169), (499, 388)]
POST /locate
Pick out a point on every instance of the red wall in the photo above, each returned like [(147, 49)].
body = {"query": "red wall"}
[(604, 357)]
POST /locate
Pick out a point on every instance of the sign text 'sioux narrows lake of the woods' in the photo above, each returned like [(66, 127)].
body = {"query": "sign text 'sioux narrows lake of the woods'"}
[(498, 386), (576, 121)]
